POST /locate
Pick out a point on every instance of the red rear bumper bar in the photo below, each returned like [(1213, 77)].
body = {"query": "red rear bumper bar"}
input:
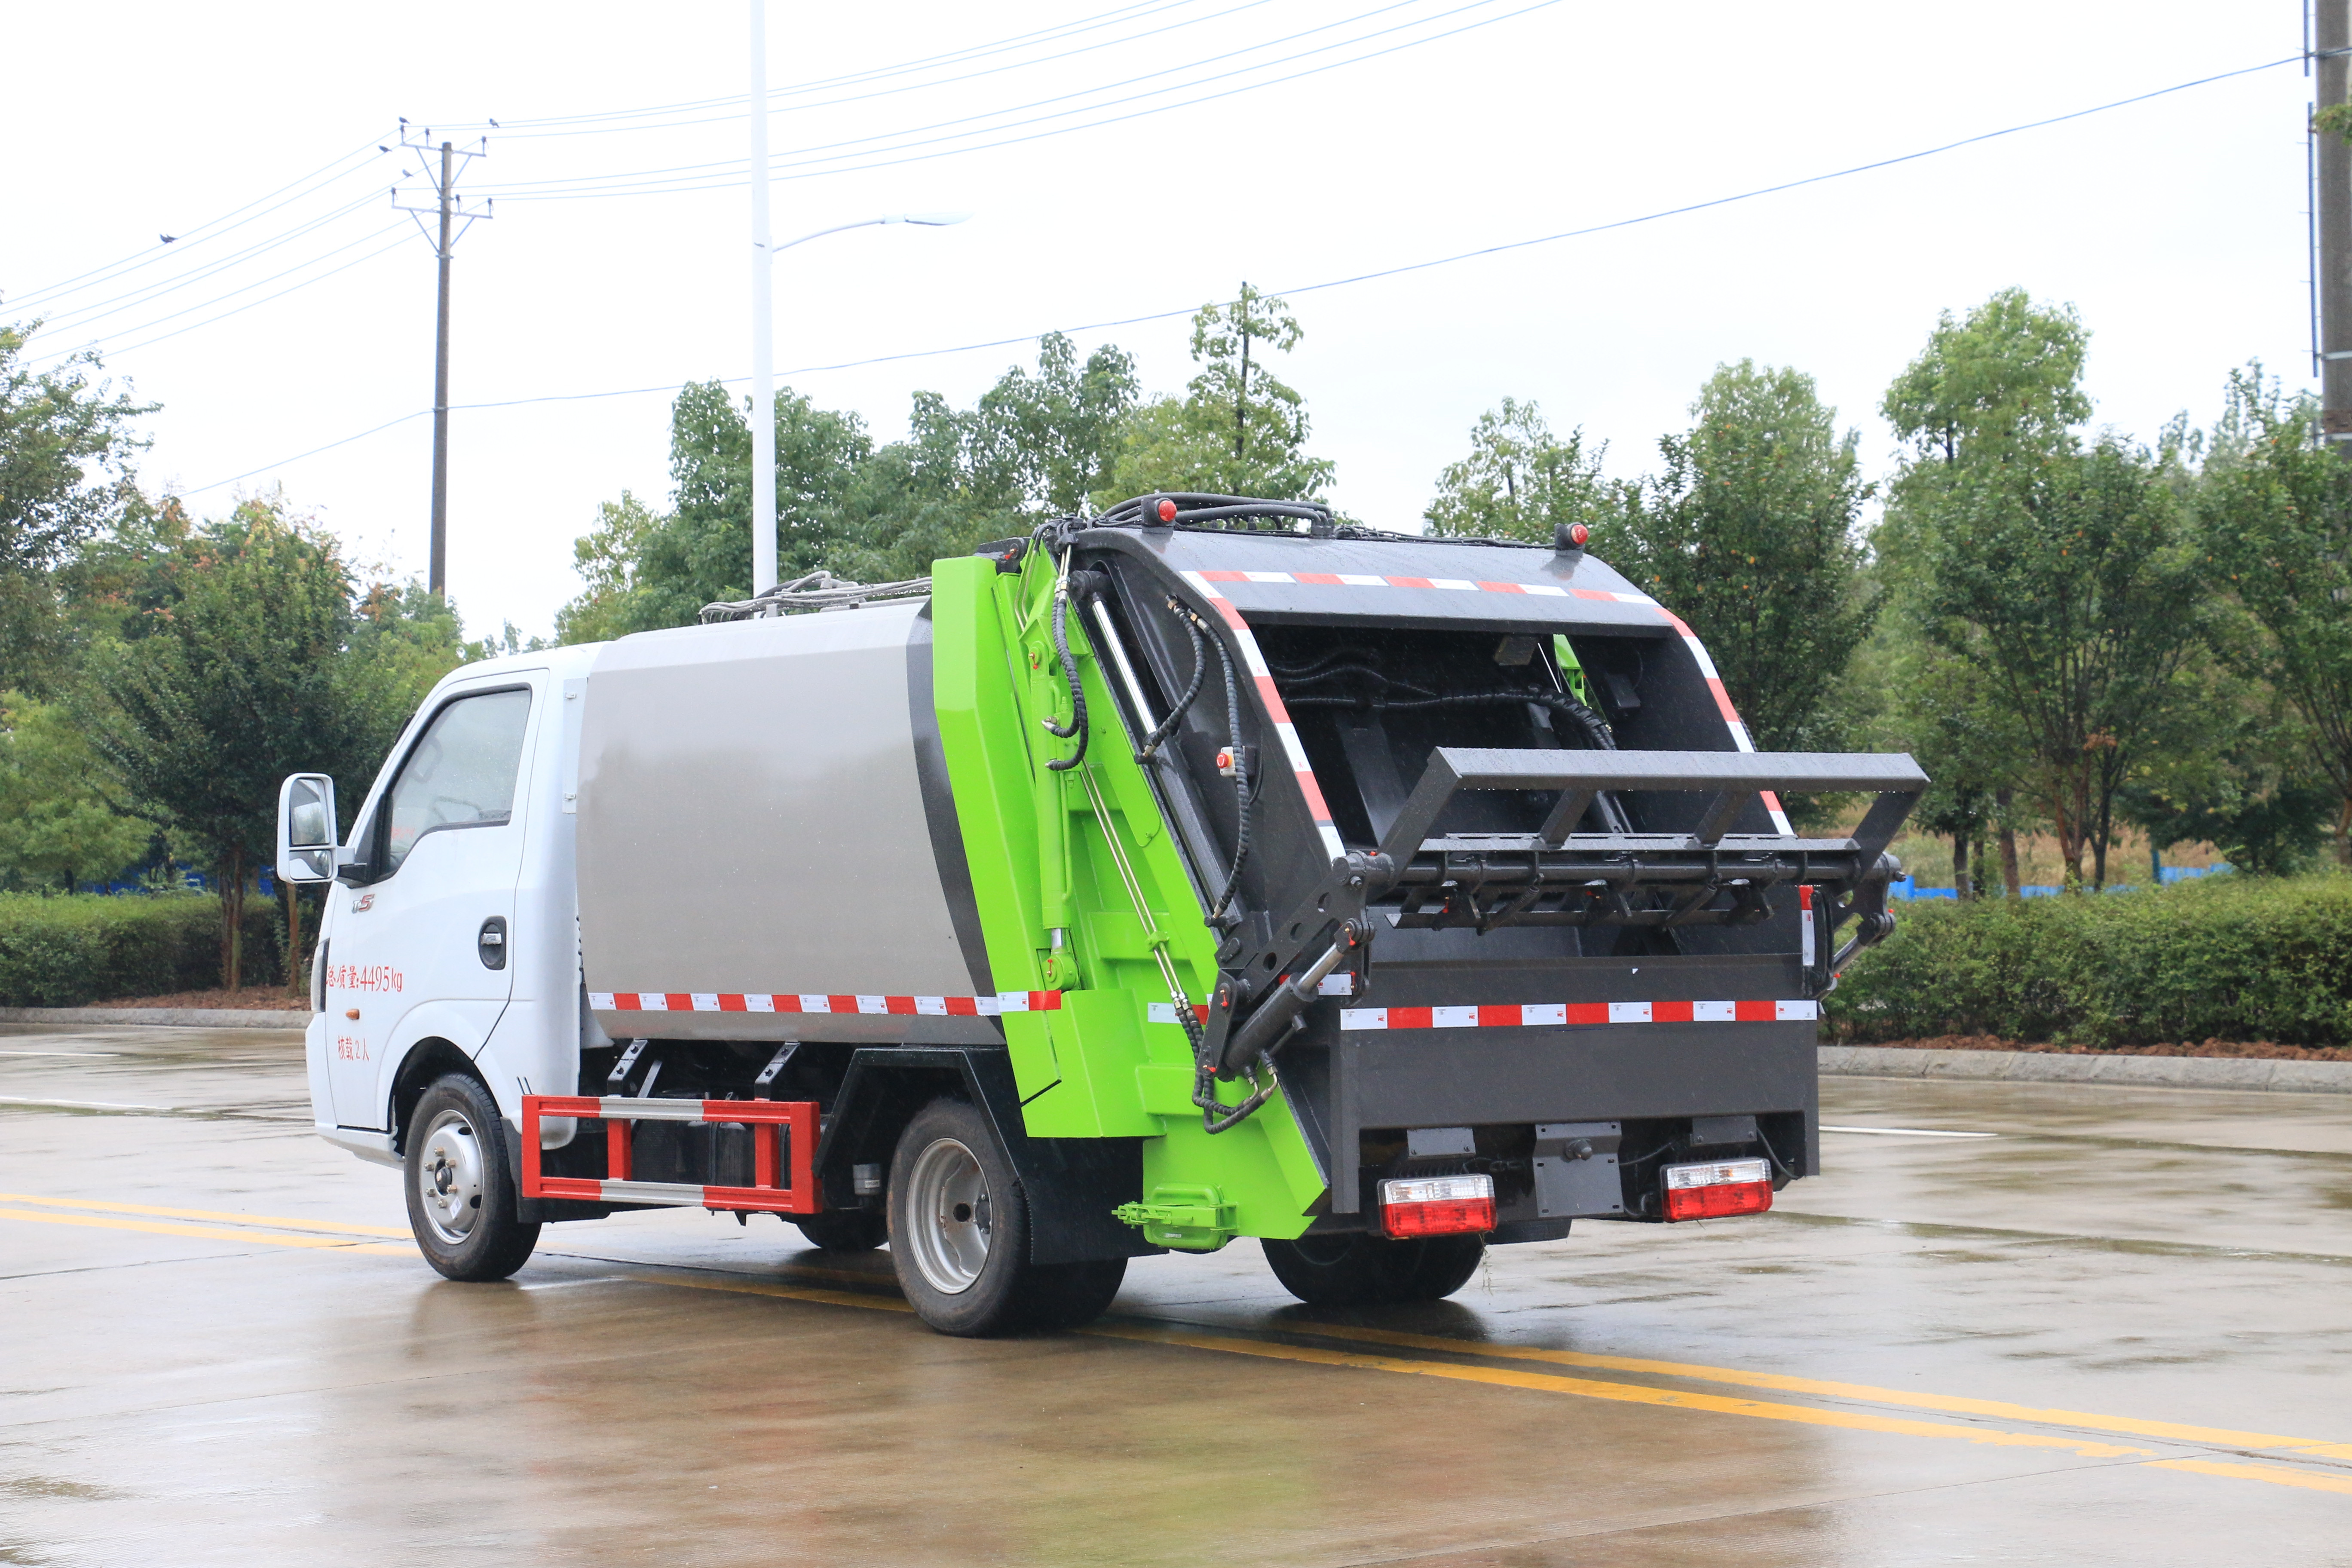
[(791, 1124)]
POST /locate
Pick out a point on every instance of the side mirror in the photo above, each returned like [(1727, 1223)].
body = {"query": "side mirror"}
[(306, 829)]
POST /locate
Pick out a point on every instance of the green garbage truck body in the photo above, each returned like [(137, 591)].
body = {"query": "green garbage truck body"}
[(1206, 870)]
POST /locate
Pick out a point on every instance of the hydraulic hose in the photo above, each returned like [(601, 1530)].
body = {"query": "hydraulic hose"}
[(1167, 727), (1243, 797), (1077, 724)]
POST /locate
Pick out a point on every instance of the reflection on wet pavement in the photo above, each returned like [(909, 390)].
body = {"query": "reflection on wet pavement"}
[(2110, 1334)]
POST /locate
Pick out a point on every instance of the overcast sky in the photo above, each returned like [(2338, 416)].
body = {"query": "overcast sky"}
[(2177, 225)]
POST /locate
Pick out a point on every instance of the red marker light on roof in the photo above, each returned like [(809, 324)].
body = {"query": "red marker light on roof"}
[(1167, 511), (1578, 534)]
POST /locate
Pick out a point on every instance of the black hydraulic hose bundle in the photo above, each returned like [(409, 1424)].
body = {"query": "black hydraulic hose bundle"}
[(1077, 724)]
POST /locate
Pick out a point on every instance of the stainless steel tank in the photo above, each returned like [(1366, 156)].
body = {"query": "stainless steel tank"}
[(767, 841)]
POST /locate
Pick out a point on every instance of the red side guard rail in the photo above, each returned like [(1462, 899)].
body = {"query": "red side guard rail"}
[(769, 1120)]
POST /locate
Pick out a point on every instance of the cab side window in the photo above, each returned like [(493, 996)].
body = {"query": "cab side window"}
[(461, 773)]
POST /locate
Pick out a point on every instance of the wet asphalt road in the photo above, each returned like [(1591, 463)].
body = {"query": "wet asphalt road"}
[(2115, 1333)]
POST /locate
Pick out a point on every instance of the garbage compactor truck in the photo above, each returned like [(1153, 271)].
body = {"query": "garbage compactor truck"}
[(1204, 870)]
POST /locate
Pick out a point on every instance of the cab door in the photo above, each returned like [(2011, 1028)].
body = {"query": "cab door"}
[(421, 946)]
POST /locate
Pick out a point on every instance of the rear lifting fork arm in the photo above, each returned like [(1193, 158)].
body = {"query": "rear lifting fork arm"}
[(1249, 1018)]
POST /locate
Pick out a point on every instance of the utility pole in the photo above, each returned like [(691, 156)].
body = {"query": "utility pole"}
[(454, 221), (2332, 52), (764, 330)]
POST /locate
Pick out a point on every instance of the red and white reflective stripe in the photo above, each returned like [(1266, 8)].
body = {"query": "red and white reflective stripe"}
[(809, 1001), (1805, 920), (1276, 712), (1554, 1015), (1730, 715)]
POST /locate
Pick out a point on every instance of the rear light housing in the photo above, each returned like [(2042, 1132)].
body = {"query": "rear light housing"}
[(1717, 1189), (1437, 1206)]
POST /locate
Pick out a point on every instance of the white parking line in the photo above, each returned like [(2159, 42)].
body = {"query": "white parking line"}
[(1907, 1133)]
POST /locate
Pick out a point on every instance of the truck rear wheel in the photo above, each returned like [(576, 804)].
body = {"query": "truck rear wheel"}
[(1364, 1270), (461, 1190), (960, 1235)]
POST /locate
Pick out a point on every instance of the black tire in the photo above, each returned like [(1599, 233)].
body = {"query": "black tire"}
[(960, 1235), (1360, 1269), (844, 1230), (461, 1187)]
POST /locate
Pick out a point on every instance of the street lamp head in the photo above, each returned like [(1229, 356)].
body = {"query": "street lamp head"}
[(928, 220)]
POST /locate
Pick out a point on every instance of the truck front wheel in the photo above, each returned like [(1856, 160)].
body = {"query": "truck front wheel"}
[(1364, 1270), (960, 1235), (461, 1189)]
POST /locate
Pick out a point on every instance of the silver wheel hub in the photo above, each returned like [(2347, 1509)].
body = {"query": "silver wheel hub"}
[(948, 1218), (450, 1176)]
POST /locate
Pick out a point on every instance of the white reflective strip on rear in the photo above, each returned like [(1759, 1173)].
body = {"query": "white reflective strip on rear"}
[(810, 1003), (1797, 1012), (1539, 1014), (987, 1007), (1363, 1017), (1251, 657), (651, 1109), (873, 1004), (1355, 579), (602, 1000), (1454, 1017), (1292, 749), (1207, 589), (1739, 735), (1698, 652), (706, 1001), (1340, 985), (1549, 590), (653, 1001), (1332, 845), (1015, 1001), (1629, 1012), (932, 1006), (1458, 585), (1268, 576), (760, 1002), (1715, 1011), (678, 1193)]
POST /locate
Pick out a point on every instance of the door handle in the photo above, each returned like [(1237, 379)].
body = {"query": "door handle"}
[(490, 942)]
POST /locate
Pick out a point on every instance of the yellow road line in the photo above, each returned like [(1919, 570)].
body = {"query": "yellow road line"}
[(1622, 1392), (209, 1233), (333, 1227), (2304, 1479), (1953, 1403), (787, 1292)]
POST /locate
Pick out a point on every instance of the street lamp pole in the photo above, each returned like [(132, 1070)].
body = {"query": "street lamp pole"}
[(763, 334)]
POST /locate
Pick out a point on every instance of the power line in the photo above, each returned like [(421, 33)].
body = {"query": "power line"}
[(656, 181), (1316, 287), (266, 298), (892, 91), (904, 68), (196, 235)]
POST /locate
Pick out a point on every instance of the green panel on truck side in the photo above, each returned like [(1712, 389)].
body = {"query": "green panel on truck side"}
[(1039, 847)]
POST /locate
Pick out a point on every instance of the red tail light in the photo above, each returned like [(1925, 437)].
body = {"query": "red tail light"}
[(1717, 1189), (1438, 1206)]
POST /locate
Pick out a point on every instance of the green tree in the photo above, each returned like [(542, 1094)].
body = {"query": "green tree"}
[(607, 558), (2277, 529), (1520, 481), (1749, 534), (1238, 430), (2066, 587), (245, 672), (66, 449), (2002, 383), (57, 826), (2001, 386)]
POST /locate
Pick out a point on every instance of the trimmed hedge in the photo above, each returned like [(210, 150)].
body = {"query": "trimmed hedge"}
[(63, 949), (2229, 958)]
